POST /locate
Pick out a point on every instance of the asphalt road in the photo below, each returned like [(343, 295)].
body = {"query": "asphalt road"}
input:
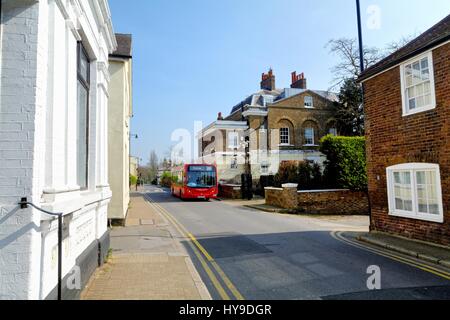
[(263, 256)]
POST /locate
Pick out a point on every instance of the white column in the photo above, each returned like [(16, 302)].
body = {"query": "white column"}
[(57, 103)]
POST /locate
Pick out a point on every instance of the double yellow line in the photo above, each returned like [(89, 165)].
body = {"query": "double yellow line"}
[(413, 263), (203, 256)]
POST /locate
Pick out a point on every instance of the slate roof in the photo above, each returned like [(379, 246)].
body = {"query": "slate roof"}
[(434, 36), (124, 46)]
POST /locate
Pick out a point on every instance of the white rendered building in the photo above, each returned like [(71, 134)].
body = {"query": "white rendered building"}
[(53, 142)]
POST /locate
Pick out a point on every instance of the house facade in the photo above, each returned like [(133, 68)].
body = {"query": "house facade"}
[(53, 143), (407, 104), (120, 111), (269, 127)]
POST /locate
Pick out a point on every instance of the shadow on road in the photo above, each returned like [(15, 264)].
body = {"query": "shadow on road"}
[(311, 265)]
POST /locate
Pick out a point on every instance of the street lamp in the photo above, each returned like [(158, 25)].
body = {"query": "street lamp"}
[(360, 38), (362, 67)]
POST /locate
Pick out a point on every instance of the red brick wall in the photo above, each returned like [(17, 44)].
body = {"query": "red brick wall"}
[(336, 202), (228, 191), (393, 139)]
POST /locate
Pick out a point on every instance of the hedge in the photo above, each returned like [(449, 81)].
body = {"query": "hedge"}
[(346, 165)]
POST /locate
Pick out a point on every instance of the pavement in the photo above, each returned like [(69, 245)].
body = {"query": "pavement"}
[(243, 253), (148, 261), (439, 255)]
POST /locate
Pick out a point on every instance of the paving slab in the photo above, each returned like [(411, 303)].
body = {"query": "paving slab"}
[(148, 262)]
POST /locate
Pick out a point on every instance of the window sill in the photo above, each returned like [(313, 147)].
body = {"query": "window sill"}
[(310, 145), (416, 111), (422, 217), (286, 145)]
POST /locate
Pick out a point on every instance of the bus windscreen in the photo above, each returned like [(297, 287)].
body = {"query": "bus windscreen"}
[(201, 177)]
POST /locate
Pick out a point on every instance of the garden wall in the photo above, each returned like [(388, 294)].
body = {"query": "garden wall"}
[(230, 191), (339, 202)]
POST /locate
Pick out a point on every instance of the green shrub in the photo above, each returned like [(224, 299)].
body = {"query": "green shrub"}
[(346, 162), (306, 174), (133, 180), (166, 180)]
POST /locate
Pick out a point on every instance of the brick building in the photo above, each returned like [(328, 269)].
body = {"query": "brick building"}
[(407, 103), (274, 125)]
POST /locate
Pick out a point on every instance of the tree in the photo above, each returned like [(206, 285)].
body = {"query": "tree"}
[(153, 165), (348, 67), (349, 109), (396, 45)]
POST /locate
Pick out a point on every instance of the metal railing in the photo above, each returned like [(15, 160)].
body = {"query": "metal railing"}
[(24, 205)]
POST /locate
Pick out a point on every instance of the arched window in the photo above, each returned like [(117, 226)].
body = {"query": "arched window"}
[(309, 136), (310, 133)]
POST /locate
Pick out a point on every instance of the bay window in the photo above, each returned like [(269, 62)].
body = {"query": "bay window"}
[(414, 191), (417, 81), (83, 86)]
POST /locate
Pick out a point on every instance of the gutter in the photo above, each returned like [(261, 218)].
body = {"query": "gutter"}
[(374, 71)]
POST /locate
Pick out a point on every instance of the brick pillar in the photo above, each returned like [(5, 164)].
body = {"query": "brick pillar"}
[(290, 196)]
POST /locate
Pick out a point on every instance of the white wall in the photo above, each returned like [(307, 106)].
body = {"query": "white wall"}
[(38, 138)]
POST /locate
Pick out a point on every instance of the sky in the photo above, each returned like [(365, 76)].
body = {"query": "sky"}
[(195, 58)]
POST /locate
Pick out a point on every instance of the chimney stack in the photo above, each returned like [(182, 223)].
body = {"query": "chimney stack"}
[(268, 81), (298, 81)]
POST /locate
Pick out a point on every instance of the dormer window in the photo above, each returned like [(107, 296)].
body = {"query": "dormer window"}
[(309, 102), (417, 81)]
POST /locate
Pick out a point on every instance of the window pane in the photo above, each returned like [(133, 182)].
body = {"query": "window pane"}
[(412, 104), (420, 102), (84, 66), (82, 139), (424, 63), (284, 136), (308, 101), (425, 74), (427, 192), (309, 136), (403, 191)]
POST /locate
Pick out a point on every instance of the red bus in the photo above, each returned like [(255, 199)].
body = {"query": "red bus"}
[(195, 181)]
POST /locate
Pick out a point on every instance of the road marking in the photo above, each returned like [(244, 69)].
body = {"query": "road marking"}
[(216, 283), (441, 273), (198, 247)]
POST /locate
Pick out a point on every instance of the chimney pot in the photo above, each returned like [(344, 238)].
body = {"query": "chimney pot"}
[(298, 81), (268, 81)]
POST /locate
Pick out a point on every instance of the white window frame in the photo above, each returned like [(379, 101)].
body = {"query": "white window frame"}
[(405, 102), (233, 140), (313, 137), (288, 137), (312, 102), (413, 168), (265, 168)]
